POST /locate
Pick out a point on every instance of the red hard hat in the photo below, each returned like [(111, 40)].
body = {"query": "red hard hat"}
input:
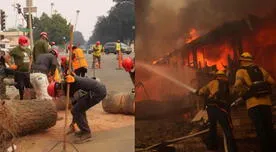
[(127, 64), (44, 34), (51, 89), (23, 41), (63, 59), (54, 52), (98, 43)]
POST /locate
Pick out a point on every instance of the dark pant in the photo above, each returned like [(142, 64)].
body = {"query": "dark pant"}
[(216, 114), (22, 80), (132, 76), (262, 119), (94, 61), (2, 86), (81, 71), (80, 108)]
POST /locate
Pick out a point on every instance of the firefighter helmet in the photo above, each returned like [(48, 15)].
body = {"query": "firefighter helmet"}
[(23, 41), (127, 64), (246, 56), (53, 43), (44, 35), (51, 89), (220, 72), (54, 52)]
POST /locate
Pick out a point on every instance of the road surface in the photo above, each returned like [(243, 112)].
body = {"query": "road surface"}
[(110, 133)]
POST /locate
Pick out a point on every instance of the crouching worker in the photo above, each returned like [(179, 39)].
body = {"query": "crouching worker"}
[(128, 65), (218, 108), (84, 94)]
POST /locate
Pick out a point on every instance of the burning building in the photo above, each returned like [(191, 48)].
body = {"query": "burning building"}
[(221, 47)]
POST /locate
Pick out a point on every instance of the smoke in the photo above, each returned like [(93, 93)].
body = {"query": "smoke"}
[(207, 14), (163, 25)]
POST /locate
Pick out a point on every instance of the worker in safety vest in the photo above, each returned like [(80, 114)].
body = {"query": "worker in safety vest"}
[(41, 46), (97, 51), (84, 94), (79, 62), (258, 83), (218, 108), (118, 48)]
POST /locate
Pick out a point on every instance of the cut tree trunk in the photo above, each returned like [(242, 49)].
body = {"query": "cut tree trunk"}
[(23, 117), (119, 103)]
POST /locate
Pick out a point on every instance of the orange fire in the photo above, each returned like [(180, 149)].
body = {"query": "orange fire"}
[(215, 56), (193, 34)]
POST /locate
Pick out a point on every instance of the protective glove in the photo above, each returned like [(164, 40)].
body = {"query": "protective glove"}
[(13, 67), (196, 92), (69, 79)]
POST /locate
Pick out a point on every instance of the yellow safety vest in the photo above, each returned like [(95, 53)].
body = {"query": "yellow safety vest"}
[(118, 46), (57, 77), (97, 50), (79, 60)]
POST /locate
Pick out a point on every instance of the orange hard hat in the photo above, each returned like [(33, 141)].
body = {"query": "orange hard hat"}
[(23, 41), (128, 64), (51, 89)]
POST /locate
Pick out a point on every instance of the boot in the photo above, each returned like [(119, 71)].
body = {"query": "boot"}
[(71, 130), (82, 137)]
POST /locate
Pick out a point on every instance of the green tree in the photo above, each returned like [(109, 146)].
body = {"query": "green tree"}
[(78, 38), (117, 25), (56, 26)]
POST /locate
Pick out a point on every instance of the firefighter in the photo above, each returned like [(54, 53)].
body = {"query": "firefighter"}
[(21, 63), (79, 62), (97, 51), (44, 68), (41, 46), (128, 65), (3, 94), (84, 93), (257, 97), (118, 48), (218, 108)]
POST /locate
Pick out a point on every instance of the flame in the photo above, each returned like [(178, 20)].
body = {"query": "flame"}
[(193, 34), (214, 55)]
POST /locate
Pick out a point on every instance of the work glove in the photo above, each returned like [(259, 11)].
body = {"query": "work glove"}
[(69, 79), (13, 67), (196, 92)]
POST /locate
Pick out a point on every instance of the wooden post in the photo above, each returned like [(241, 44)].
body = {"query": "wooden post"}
[(68, 85)]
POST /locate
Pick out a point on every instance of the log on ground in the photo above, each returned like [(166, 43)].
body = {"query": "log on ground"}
[(119, 103), (22, 117)]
